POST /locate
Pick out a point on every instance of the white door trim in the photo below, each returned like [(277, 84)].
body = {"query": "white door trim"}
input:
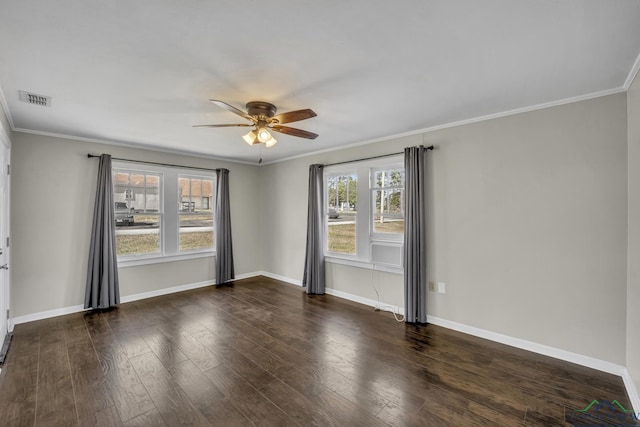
[(6, 325)]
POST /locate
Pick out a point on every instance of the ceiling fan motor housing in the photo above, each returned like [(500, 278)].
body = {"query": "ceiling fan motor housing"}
[(260, 108)]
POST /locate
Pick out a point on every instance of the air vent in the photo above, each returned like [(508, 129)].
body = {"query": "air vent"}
[(35, 99)]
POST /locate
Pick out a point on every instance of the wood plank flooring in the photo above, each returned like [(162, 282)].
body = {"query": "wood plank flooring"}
[(262, 353)]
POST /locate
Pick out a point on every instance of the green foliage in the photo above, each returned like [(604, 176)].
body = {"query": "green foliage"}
[(342, 189), (389, 201), (392, 178), (392, 201)]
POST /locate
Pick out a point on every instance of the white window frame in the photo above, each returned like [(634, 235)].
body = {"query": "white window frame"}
[(170, 223), (365, 237)]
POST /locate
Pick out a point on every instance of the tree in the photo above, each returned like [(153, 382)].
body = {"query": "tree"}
[(342, 191), (389, 198)]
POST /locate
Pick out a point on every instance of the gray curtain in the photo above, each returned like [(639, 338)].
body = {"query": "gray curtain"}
[(102, 289), (224, 247), (415, 236), (313, 278)]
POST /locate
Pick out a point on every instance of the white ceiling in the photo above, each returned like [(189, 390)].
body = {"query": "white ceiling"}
[(141, 72)]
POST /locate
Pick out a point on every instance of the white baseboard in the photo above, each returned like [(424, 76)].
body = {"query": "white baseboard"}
[(366, 301), (341, 294), (568, 356), (47, 314), (632, 390), (248, 275), (281, 278), (166, 291), (129, 298)]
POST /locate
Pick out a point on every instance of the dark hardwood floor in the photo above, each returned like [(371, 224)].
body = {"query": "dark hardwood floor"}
[(263, 353)]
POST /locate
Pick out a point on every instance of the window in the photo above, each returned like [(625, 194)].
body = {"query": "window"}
[(387, 188), (342, 201), (365, 211), (196, 212), (138, 211), (162, 212)]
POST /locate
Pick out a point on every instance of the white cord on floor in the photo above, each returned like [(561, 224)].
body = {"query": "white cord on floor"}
[(399, 317)]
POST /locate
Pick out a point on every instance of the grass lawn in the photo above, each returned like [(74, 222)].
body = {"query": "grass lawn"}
[(342, 237), (198, 240), (150, 243), (138, 244), (389, 227)]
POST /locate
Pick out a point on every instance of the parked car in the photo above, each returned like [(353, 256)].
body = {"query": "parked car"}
[(124, 215), (333, 214)]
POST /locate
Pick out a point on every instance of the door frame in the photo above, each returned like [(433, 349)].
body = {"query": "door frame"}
[(5, 145)]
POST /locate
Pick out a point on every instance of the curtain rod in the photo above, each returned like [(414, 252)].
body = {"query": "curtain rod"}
[(157, 164), (371, 158)]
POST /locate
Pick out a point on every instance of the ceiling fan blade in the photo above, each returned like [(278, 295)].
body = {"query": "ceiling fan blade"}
[(232, 109), (294, 132), (294, 116), (223, 126)]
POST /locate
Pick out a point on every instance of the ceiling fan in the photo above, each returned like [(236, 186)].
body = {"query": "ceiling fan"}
[(263, 118)]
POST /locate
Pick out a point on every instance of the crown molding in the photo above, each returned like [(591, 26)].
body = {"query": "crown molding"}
[(559, 102), (634, 70), (632, 73), (134, 145)]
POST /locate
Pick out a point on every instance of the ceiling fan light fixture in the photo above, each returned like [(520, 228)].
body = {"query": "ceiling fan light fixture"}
[(263, 118), (264, 135), (271, 142), (250, 138)]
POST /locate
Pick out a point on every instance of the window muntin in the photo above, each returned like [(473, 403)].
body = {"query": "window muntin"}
[(387, 196), (195, 196), (341, 212), (138, 212)]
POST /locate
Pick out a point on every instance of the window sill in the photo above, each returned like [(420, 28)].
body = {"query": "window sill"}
[(367, 265), (157, 259)]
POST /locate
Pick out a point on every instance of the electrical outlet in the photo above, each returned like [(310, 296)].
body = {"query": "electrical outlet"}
[(442, 288), (432, 287)]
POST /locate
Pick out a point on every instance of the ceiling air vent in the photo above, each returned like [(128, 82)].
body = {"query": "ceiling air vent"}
[(34, 98)]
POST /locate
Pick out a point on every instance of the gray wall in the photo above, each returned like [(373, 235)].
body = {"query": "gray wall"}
[(633, 260), (528, 225), (53, 185)]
